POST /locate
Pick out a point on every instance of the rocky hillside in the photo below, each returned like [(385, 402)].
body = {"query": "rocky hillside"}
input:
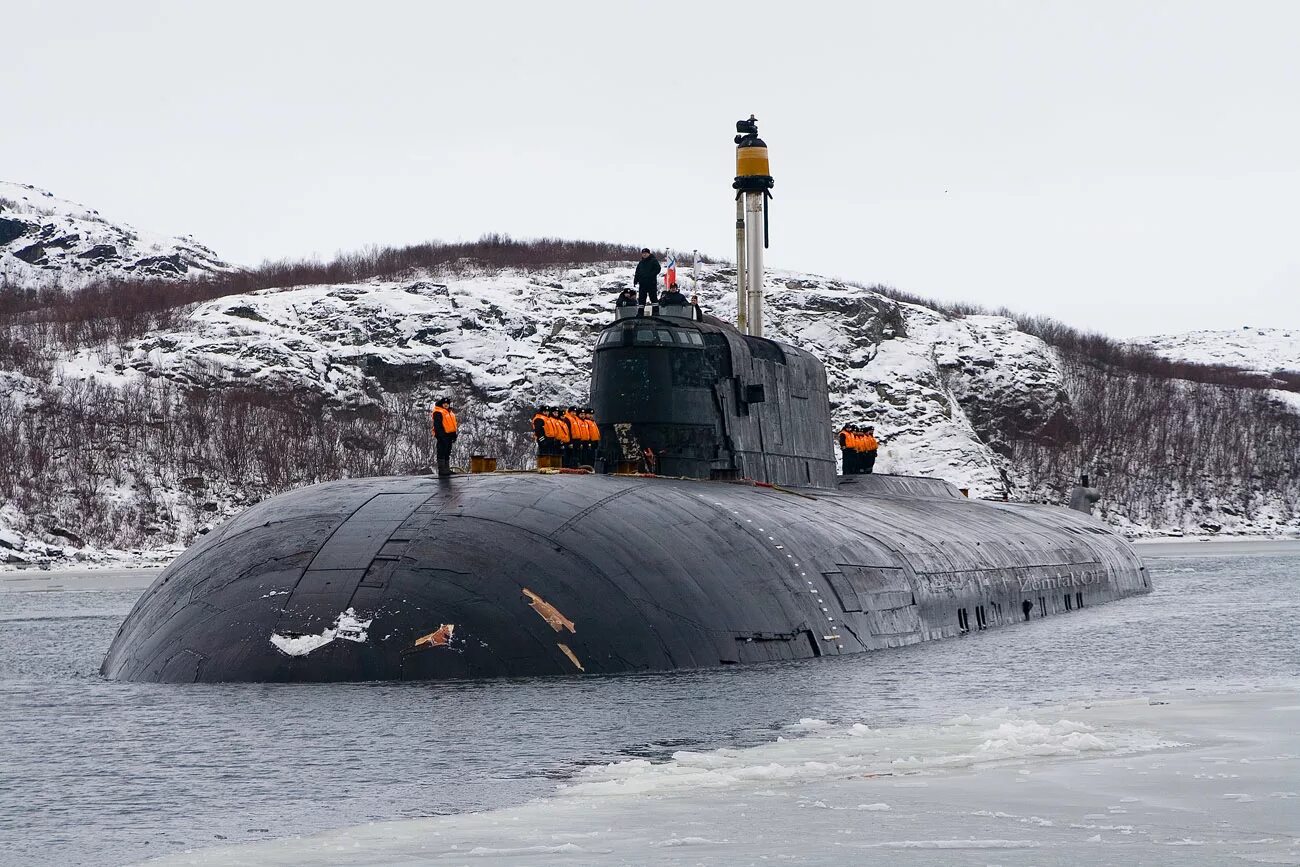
[(138, 443), (509, 339), (51, 242), (941, 390)]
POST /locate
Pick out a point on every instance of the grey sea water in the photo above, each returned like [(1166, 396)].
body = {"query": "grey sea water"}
[(93, 772)]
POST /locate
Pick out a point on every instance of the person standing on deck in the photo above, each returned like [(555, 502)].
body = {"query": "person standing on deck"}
[(847, 451), (870, 446), (577, 437), (444, 433), (593, 435), (541, 434), (560, 431)]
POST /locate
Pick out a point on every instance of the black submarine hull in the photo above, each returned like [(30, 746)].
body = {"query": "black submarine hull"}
[(558, 574)]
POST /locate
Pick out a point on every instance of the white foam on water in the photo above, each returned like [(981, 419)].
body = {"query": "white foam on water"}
[(833, 752), (686, 841), (563, 848), (953, 844)]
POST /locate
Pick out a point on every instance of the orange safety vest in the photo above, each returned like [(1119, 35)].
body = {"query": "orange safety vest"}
[(448, 419), (846, 439), (559, 430), (869, 443), (577, 430), (545, 426), (593, 430)]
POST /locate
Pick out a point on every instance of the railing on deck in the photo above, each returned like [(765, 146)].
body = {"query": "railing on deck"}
[(673, 311)]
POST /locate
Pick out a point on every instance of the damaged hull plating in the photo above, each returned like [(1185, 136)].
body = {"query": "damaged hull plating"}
[(528, 574)]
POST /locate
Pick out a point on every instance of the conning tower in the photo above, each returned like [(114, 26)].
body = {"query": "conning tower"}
[(710, 402), (693, 396)]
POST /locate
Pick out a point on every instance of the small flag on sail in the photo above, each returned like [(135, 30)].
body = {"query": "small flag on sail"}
[(670, 271)]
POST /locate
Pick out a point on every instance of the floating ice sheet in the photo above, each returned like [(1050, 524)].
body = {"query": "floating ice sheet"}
[(1041, 787)]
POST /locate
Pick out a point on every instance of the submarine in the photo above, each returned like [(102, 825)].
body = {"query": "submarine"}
[(743, 545)]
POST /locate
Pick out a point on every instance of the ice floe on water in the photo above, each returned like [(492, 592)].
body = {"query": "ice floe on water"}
[(830, 752), (1036, 786)]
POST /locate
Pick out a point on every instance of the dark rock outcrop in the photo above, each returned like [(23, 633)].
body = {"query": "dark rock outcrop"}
[(12, 230)]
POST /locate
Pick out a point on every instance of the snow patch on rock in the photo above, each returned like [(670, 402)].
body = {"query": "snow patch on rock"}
[(48, 241), (1263, 351)]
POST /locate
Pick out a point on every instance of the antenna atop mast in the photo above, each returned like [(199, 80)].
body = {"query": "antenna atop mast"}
[(753, 187)]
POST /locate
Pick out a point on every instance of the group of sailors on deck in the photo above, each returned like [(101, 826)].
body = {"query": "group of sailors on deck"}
[(858, 447)]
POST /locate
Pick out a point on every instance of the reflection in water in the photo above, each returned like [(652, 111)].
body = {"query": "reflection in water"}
[(97, 771)]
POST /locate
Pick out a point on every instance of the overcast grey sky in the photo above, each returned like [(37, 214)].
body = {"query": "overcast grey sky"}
[(1127, 166)]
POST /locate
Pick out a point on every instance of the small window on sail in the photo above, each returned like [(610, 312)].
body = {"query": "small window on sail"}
[(645, 335)]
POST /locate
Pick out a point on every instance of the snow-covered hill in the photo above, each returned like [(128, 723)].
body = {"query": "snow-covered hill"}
[(970, 399), (507, 340), (512, 339), (48, 241), (1259, 350)]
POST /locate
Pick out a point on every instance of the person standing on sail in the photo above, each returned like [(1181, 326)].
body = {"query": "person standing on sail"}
[(646, 278)]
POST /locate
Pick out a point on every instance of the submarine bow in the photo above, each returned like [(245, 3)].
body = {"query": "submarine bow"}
[(531, 574)]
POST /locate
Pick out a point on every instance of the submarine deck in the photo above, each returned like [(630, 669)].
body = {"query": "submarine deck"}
[(540, 573)]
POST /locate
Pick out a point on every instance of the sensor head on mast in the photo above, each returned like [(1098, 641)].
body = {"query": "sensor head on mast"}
[(752, 171)]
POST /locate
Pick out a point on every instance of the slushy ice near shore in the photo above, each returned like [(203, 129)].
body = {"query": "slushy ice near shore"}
[(1184, 779)]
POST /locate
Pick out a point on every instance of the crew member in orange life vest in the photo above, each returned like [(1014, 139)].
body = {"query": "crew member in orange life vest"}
[(870, 445), (544, 432), (444, 433), (847, 439), (563, 435), (593, 436), (577, 428)]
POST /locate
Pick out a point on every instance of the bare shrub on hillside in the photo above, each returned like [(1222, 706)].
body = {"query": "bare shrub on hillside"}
[(146, 464), (1163, 448), (132, 303)]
